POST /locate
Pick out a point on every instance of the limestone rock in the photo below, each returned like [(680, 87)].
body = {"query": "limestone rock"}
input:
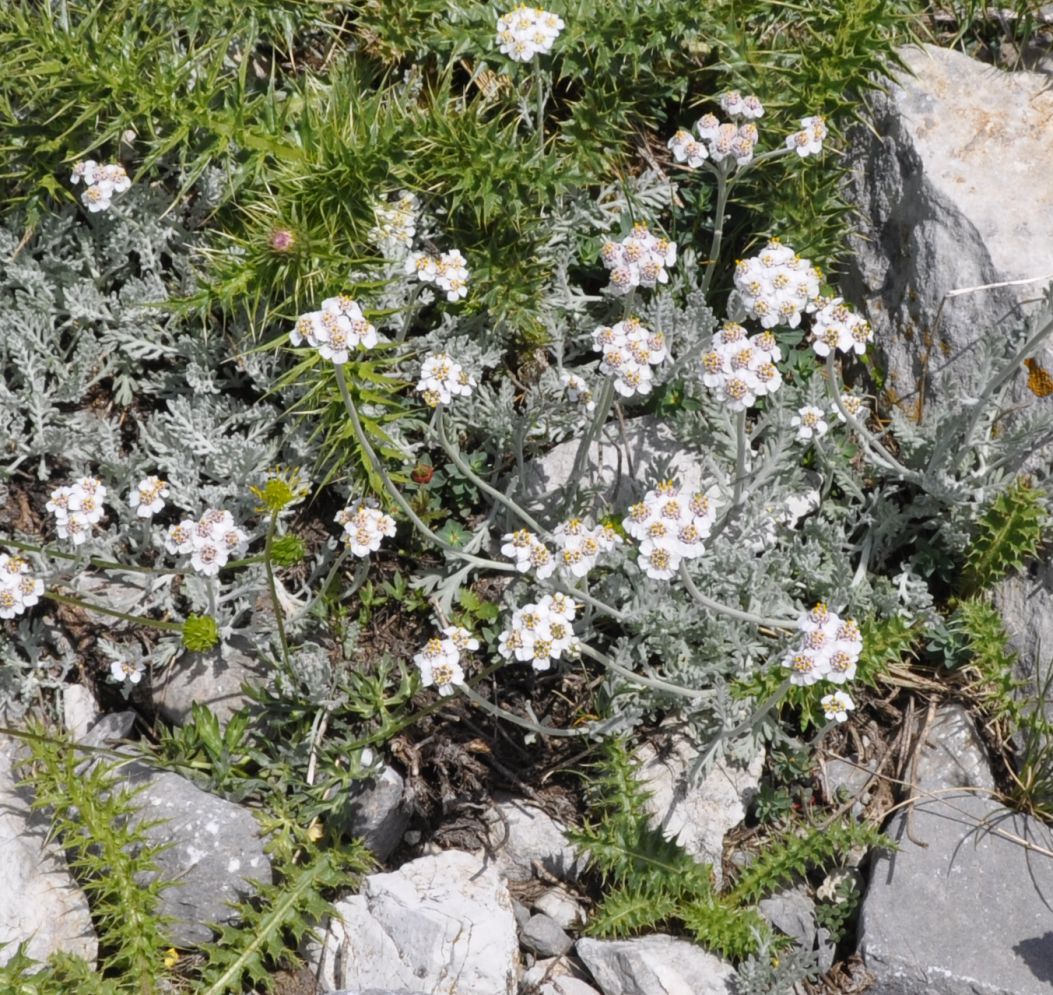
[(375, 810), (1025, 603), (441, 923), (40, 903), (522, 835), (561, 907), (214, 679), (80, 710), (963, 861), (621, 466), (929, 177), (544, 937), (215, 851), (657, 965), (697, 816)]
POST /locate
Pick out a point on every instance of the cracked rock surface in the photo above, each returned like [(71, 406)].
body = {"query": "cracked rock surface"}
[(441, 924)]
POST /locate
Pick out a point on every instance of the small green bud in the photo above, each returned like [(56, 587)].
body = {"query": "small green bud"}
[(283, 488), (200, 633), (287, 550)]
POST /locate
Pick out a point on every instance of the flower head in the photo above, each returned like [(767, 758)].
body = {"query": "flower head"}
[(670, 526), (629, 351), (836, 706), (211, 541), (641, 259), (827, 648), (396, 224), (809, 140), (364, 528), (809, 423), (127, 670), (441, 379), (77, 508), (147, 497), (776, 286), (837, 328), (19, 589), (100, 182), (526, 31), (541, 632), (335, 330)]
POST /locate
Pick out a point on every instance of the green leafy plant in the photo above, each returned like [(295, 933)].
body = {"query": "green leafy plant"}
[(1008, 534), (651, 882)]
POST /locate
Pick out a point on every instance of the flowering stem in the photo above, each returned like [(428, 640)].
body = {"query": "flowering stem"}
[(740, 458), (466, 470), (650, 682), (593, 729), (58, 554), (394, 492), (153, 623), (573, 592), (279, 613), (411, 311), (748, 723), (876, 451), (723, 186), (539, 85), (789, 625), (603, 409)]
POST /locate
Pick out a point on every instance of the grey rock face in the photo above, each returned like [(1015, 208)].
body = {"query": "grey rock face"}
[(40, 903), (521, 836), (962, 907), (1026, 605), (930, 180), (215, 852), (657, 965), (697, 816), (80, 710), (213, 679), (561, 907), (793, 913), (967, 913), (375, 811), (649, 451), (544, 937), (441, 923)]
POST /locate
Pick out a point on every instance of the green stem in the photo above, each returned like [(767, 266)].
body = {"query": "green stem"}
[(394, 492), (539, 86), (153, 623), (593, 729), (272, 584), (740, 459), (411, 311), (59, 554), (650, 682), (789, 625), (466, 470), (723, 188), (599, 419)]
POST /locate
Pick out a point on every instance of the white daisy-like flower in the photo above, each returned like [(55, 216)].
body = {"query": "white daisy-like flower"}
[(810, 423), (526, 31), (439, 664), (147, 497), (442, 379), (836, 706), (809, 140), (364, 528), (130, 671), (77, 508)]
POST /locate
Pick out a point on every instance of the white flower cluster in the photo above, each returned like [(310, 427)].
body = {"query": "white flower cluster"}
[(809, 140), (670, 527), (837, 328), (580, 546), (335, 330), (719, 140), (396, 224), (629, 351), (740, 368), (810, 423), (638, 260), (127, 670), (529, 553), (211, 541), (578, 391), (449, 272), (541, 632), (148, 497), (527, 31), (852, 404), (19, 589), (776, 286), (77, 508), (440, 659), (100, 182), (364, 527), (441, 379), (828, 650)]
